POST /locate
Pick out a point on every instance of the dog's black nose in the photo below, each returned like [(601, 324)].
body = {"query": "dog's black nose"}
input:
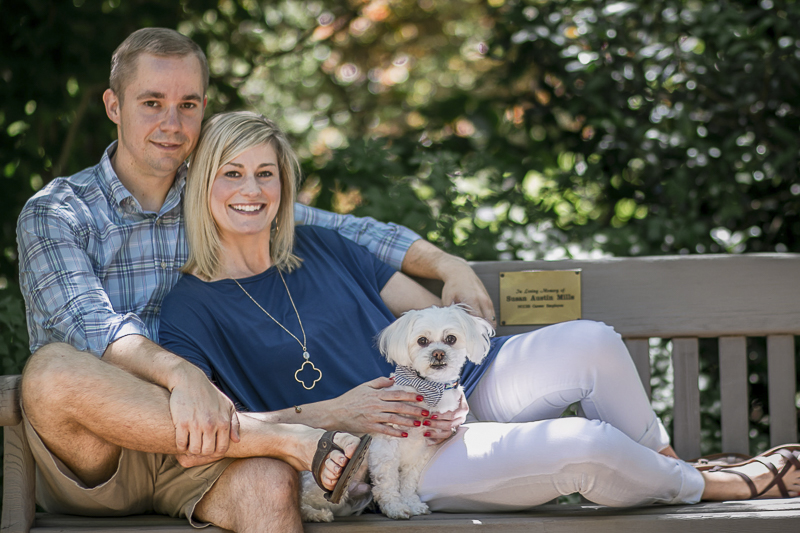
[(438, 355)]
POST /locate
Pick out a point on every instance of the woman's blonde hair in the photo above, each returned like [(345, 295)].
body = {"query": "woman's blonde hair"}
[(223, 138)]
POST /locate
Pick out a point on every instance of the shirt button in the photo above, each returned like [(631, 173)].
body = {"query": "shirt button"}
[(163, 264)]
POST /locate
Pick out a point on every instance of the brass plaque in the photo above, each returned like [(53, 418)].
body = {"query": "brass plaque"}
[(536, 297)]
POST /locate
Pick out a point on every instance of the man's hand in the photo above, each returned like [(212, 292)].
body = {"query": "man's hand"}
[(205, 419), (461, 284)]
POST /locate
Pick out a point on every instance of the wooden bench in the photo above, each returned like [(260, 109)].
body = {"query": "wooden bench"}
[(729, 297)]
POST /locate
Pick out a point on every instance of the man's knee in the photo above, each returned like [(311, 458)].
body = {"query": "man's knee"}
[(280, 481), (50, 376)]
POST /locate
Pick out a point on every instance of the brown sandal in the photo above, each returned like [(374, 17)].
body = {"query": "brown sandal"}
[(721, 459), (791, 452), (324, 447)]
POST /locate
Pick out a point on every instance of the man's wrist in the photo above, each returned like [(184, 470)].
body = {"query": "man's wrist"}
[(181, 373)]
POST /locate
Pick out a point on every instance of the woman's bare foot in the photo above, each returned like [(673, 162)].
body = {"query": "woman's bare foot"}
[(730, 483), (336, 460)]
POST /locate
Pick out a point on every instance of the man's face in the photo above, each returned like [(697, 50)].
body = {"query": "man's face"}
[(159, 116)]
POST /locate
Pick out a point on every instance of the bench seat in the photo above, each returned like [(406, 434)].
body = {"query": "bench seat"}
[(764, 516), (681, 298)]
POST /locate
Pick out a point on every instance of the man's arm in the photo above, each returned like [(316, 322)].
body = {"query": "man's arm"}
[(64, 299), (205, 419), (386, 241), (461, 284), (404, 250), (66, 302)]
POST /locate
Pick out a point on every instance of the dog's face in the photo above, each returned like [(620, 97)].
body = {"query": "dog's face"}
[(437, 341)]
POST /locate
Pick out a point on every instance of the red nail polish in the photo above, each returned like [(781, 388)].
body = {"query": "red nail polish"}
[(405, 434), (417, 423), (427, 433), (425, 412), (420, 398), (426, 423), (434, 417)]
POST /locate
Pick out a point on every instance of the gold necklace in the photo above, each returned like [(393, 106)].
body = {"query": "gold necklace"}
[(306, 355)]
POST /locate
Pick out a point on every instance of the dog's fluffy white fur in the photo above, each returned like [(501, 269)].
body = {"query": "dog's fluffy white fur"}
[(315, 508), (436, 342)]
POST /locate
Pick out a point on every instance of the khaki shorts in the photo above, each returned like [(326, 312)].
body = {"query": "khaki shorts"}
[(142, 483)]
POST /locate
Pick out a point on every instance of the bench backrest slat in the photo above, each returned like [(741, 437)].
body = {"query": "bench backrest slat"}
[(686, 296), (734, 403), (640, 353), (782, 388), (686, 425)]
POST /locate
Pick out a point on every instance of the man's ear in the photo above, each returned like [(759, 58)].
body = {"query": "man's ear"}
[(112, 104)]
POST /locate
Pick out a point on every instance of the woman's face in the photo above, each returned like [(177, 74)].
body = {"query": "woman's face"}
[(246, 194)]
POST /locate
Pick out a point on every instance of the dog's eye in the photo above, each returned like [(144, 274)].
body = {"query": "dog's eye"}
[(423, 341), (450, 339)]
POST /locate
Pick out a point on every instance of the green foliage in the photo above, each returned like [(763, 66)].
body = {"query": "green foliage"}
[(13, 335)]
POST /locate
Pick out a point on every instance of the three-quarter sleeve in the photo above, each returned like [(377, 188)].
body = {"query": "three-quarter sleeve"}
[(387, 241)]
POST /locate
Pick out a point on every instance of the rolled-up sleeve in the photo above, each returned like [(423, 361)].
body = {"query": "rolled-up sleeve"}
[(387, 241), (64, 299)]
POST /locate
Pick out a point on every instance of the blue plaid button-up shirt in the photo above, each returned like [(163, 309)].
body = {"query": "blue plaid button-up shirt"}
[(95, 267)]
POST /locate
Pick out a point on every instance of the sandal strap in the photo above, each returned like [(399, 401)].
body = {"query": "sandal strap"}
[(791, 461), (325, 446), (753, 490), (777, 477)]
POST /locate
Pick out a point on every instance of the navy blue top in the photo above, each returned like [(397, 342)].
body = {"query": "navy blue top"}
[(253, 361)]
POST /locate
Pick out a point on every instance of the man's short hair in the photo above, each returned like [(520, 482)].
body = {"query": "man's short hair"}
[(157, 41)]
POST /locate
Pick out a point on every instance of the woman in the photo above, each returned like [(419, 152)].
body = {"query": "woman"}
[(283, 321)]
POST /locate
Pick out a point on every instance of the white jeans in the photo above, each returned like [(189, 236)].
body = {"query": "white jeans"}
[(521, 454)]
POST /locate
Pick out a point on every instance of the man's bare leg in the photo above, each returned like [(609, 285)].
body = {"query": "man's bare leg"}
[(86, 410), (82, 408), (254, 495)]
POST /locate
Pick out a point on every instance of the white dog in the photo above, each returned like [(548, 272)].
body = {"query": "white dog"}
[(429, 347)]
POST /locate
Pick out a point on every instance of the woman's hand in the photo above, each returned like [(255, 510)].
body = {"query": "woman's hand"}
[(442, 426), (370, 408)]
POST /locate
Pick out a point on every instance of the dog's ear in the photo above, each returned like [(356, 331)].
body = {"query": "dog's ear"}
[(478, 332), (393, 341)]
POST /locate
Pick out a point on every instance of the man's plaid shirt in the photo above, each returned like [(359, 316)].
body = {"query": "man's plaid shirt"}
[(95, 267)]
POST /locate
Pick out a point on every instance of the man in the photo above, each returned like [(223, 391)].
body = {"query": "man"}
[(108, 413)]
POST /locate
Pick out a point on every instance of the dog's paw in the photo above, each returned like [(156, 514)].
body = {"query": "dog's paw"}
[(397, 510), (310, 514), (418, 508)]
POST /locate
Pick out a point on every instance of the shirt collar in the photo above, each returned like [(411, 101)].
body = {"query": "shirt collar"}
[(121, 197)]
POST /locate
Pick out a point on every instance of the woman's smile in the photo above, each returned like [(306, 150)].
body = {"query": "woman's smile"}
[(248, 208)]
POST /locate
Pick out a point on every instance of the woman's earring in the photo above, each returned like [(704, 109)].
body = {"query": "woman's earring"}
[(275, 226)]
